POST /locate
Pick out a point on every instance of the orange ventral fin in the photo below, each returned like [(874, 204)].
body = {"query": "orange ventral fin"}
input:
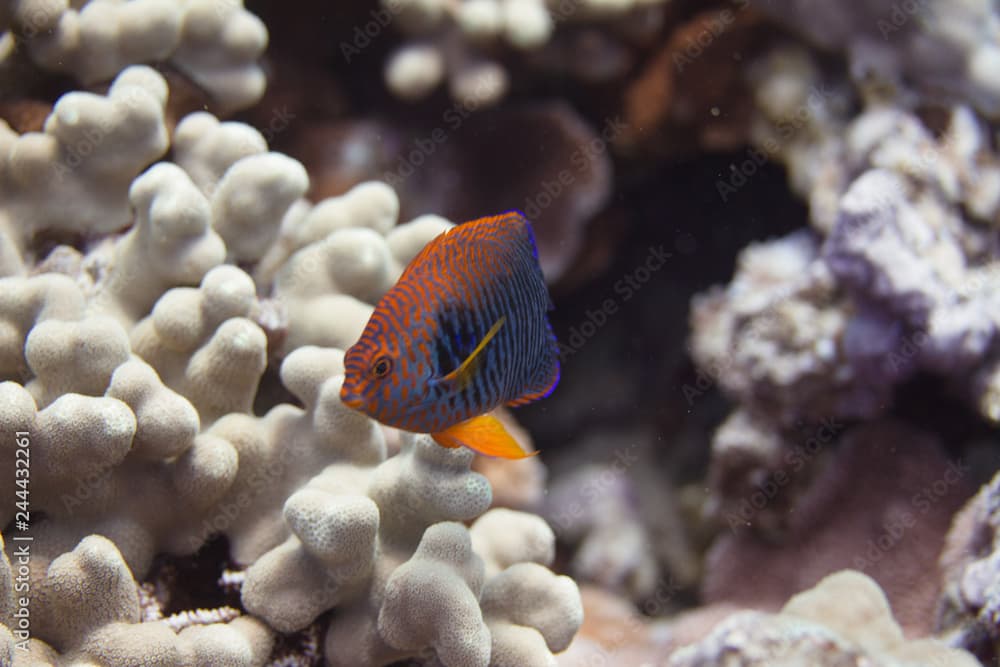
[(484, 435)]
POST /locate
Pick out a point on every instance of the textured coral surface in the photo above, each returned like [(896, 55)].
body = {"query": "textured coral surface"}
[(771, 232)]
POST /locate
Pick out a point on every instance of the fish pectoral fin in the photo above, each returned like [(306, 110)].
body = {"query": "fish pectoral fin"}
[(484, 435), (461, 376)]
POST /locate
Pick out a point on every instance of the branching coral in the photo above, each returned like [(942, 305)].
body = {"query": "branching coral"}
[(204, 344), (376, 554), (91, 149), (281, 451), (340, 256), (170, 243), (142, 308), (454, 41), (216, 44), (85, 610)]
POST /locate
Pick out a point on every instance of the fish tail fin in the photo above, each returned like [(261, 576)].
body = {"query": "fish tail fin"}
[(484, 435)]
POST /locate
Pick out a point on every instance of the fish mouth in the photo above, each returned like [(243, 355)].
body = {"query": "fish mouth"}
[(351, 400)]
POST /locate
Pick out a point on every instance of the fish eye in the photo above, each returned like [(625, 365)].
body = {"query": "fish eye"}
[(381, 366)]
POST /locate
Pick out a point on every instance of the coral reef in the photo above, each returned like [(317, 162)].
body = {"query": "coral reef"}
[(927, 47), (91, 149), (798, 503), (453, 42), (135, 347), (198, 213), (845, 619), (216, 44), (969, 564), (85, 610), (826, 326), (438, 168)]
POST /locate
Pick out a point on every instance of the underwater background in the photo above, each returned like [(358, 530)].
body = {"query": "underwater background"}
[(770, 230)]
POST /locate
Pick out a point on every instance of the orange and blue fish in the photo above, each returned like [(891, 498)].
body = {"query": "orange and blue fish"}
[(463, 331)]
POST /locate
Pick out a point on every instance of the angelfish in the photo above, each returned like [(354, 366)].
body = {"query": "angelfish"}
[(462, 331)]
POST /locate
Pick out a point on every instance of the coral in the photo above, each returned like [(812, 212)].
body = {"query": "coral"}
[(333, 551), (281, 451), (493, 539), (139, 457), (218, 48), (340, 256), (206, 148), (25, 302), (425, 484), (215, 44), (91, 149), (844, 619), (969, 563), (85, 609), (254, 192), (443, 579), (171, 243), (204, 343), (525, 606), (902, 281), (934, 47), (454, 41), (923, 271), (74, 357), (796, 515), (621, 519), (375, 541), (614, 546), (73, 427), (770, 338)]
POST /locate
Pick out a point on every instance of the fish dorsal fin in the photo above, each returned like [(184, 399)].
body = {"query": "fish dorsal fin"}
[(484, 435), (461, 376)]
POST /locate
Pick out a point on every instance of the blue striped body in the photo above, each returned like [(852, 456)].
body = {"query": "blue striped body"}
[(450, 296)]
